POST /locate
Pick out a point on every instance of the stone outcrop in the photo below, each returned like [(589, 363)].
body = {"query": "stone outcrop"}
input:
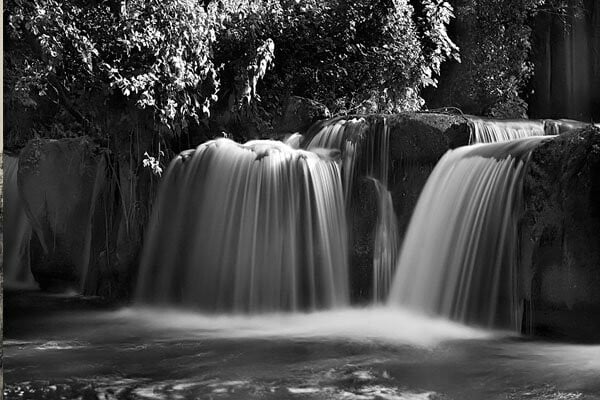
[(58, 181), (560, 237), (416, 142), (17, 228)]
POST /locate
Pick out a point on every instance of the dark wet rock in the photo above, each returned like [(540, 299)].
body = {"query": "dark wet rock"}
[(425, 137), (16, 227), (417, 141), (363, 210), (299, 114), (560, 237), (560, 126), (57, 181)]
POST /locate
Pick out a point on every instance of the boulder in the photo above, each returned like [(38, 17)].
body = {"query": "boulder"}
[(560, 126), (17, 228), (560, 237), (415, 143), (58, 183)]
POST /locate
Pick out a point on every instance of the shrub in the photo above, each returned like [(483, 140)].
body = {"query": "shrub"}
[(86, 63)]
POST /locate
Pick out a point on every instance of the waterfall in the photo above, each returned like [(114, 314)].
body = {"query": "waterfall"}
[(17, 229), (344, 135), (365, 149), (492, 131), (386, 245), (257, 227), (459, 255), (560, 126), (294, 140)]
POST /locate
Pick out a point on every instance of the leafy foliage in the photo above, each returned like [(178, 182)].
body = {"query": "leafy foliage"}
[(349, 55), (85, 63), (495, 42), (155, 54)]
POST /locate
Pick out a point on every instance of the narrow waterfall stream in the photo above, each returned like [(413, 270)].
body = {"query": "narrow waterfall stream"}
[(17, 230), (387, 243), (365, 149)]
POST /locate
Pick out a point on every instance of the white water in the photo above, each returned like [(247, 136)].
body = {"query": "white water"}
[(373, 324), (492, 131), (17, 230), (459, 253), (248, 228), (365, 149), (387, 243), (345, 136)]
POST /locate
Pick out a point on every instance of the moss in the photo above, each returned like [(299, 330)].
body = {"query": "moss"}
[(561, 233)]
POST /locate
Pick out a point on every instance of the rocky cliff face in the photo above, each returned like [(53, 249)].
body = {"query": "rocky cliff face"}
[(416, 142), (560, 237), (57, 181)]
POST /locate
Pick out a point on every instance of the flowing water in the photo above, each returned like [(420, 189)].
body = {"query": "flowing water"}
[(243, 234), (345, 136), (252, 228), (386, 246), (18, 230), (491, 130), (459, 255), (358, 354), (365, 150)]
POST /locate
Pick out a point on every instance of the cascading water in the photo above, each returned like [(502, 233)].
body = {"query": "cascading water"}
[(459, 255), (257, 227), (365, 149), (492, 131), (17, 229), (387, 240), (344, 135)]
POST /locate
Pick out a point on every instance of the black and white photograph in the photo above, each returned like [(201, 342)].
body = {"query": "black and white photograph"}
[(300, 199)]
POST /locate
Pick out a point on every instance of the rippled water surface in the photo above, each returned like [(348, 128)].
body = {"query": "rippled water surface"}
[(89, 352)]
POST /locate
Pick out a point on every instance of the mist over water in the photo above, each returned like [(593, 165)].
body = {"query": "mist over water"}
[(380, 324)]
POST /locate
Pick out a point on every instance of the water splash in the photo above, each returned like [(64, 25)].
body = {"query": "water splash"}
[(17, 230), (294, 140), (459, 255), (491, 131), (247, 228), (360, 325)]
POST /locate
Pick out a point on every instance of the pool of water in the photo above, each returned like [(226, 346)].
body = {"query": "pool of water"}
[(54, 352)]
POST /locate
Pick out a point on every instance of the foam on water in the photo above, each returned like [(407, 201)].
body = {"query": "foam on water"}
[(17, 230), (379, 324)]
